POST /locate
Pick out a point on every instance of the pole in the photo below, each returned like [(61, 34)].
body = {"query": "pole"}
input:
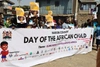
[(76, 9), (19, 2)]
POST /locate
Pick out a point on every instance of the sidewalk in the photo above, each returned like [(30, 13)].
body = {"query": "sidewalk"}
[(85, 60)]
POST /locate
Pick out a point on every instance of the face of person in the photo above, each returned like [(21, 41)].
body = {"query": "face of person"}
[(4, 47), (67, 20), (34, 13), (55, 25), (59, 21), (41, 18), (21, 18)]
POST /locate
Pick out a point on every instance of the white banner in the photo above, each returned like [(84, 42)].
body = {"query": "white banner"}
[(29, 47)]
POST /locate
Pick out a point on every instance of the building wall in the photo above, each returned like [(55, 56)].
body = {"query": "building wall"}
[(84, 14), (82, 18), (65, 7), (86, 7)]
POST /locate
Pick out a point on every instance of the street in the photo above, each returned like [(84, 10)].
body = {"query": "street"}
[(85, 60)]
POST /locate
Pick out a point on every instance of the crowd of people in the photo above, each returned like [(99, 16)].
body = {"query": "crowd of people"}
[(59, 23), (38, 22), (41, 23)]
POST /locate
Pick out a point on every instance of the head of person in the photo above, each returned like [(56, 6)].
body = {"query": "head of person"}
[(67, 20), (89, 20), (34, 12), (21, 18), (4, 45), (59, 22)]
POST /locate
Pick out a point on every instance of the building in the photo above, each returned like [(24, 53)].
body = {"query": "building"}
[(59, 7), (85, 10), (6, 8), (86, 6), (80, 9)]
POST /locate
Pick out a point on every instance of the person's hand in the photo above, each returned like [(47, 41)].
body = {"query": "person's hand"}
[(69, 27), (13, 27)]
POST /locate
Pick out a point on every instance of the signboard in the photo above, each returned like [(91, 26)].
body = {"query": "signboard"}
[(34, 7), (47, 8), (25, 48)]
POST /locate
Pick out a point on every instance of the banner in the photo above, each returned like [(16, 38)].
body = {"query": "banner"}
[(29, 47), (34, 7), (20, 15)]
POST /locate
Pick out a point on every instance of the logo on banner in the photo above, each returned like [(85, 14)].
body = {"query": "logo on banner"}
[(7, 34), (31, 53)]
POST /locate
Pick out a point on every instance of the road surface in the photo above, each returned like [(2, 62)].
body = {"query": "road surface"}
[(84, 60)]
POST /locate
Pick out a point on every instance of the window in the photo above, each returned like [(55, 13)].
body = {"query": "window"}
[(87, 6), (84, 7), (56, 3)]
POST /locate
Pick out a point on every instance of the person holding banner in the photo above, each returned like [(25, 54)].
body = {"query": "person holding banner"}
[(58, 24), (42, 23), (65, 25)]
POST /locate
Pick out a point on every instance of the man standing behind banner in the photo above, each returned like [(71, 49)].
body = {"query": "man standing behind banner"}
[(21, 19)]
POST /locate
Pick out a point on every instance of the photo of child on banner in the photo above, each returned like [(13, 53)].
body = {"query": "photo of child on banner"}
[(5, 51), (34, 9), (20, 15), (49, 19)]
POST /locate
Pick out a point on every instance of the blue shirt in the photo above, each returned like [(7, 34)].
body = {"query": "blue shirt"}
[(94, 25), (65, 26), (98, 32)]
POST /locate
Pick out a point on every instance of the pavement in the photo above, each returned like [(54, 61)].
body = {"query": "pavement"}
[(81, 60)]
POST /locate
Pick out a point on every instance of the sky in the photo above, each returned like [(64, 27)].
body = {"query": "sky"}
[(23, 2)]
